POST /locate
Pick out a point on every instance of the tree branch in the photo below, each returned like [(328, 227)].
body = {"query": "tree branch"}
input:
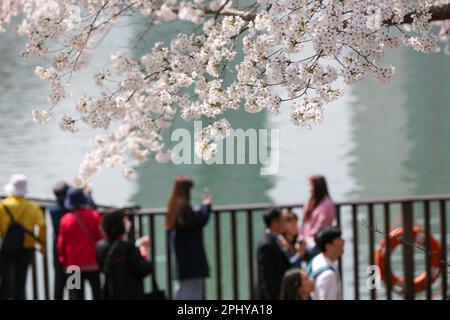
[(437, 14), (245, 15)]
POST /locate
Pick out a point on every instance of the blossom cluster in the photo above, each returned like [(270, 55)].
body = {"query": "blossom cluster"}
[(294, 55)]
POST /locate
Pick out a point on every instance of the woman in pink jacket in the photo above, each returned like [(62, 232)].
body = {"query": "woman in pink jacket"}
[(319, 211)]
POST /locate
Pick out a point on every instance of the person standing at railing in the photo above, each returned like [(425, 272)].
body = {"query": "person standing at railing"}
[(19, 218), (319, 211), (57, 210), (273, 260), (185, 231), (79, 232), (123, 264), (323, 267)]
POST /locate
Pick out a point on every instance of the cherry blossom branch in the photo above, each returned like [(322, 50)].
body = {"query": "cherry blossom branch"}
[(347, 40), (438, 13)]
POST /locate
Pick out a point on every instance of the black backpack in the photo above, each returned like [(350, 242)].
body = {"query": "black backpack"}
[(13, 239)]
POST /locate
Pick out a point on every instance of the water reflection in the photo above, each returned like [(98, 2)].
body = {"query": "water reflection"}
[(428, 117), (379, 131), (400, 131)]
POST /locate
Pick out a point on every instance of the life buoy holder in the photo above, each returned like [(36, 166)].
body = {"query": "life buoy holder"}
[(420, 281)]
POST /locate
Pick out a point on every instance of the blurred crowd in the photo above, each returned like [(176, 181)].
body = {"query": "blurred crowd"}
[(296, 258)]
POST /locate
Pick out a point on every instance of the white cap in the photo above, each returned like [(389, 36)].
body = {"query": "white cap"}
[(17, 185)]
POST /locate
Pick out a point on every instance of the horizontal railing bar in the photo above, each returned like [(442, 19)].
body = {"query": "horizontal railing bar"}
[(264, 206), (228, 208), (395, 200)]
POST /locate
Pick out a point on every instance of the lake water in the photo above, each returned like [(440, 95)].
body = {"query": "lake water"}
[(377, 141)]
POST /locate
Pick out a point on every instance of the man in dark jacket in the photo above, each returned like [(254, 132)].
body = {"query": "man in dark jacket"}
[(57, 210), (273, 260), (121, 261)]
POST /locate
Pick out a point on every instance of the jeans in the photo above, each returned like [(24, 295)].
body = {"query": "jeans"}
[(13, 274), (94, 280), (190, 289)]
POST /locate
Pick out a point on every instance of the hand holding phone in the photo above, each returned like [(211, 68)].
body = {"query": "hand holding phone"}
[(206, 199)]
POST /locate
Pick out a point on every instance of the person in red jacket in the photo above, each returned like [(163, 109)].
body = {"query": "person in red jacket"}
[(79, 232)]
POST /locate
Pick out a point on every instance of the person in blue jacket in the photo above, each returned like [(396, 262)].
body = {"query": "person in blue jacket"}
[(185, 231)]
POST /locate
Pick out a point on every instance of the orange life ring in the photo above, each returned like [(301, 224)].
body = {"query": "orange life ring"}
[(419, 237)]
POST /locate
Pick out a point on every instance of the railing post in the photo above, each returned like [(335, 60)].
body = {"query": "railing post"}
[(250, 251), (45, 263), (408, 250), (234, 252), (153, 244), (355, 251), (169, 267), (428, 250), (141, 226), (387, 239), (339, 224), (217, 228), (373, 293), (443, 231)]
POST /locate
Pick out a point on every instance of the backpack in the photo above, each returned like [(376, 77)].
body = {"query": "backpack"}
[(13, 239), (316, 273)]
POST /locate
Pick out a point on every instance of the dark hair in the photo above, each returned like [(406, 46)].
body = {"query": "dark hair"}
[(178, 213), (113, 224), (60, 190), (75, 199), (290, 215), (326, 235), (271, 215), (319, 192), (292, 280)]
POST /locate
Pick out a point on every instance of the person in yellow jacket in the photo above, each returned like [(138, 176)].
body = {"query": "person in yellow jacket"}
[(13, 269)]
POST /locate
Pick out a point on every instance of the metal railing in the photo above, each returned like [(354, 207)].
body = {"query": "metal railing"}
[(360, 220)]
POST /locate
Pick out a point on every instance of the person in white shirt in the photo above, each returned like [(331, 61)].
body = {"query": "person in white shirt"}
[(323, 268)]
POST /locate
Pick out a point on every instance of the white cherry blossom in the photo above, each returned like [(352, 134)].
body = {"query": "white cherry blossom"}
[(294, 54)]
